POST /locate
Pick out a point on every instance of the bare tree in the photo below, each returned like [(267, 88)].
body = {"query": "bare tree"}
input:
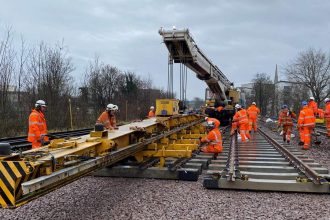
[(264, 90), (312, 68)]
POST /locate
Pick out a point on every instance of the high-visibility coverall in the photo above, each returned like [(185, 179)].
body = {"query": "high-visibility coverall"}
[(108, 121), (306, 123), (214, 140), (285, 120), (253, 112), (313, 105), (37, 128), (243, 122), (327, 117), (151, 114)]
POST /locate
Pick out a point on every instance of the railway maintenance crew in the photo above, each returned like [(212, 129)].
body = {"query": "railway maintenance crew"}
[(253, 112), (285, 120), (313, 105), (327, 115), (213, 139), (37, 125), (108, 117), (241, 118), (151, 113), (306, 124)]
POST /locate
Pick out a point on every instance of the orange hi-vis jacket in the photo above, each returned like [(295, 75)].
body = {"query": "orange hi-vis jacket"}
[(285, 118), (306, 117), (213, 138), (321, 113), (108, 121), (253, 112), (241, 117), (151, 114), (215, 121), (313, 105), (37, 127), (327, 111)]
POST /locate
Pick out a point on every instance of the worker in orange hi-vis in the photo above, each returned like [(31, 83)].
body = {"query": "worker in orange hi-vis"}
[(151, 113), (213, 139), (241, 118), (306, 124), (313, 105), (108, 117), (37, 125), (285, 120), (215, 121), (253, 112), (327, 115)]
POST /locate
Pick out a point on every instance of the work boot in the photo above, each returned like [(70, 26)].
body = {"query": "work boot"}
[(284, 139), (288, 141), (300, 143), (305, 148)]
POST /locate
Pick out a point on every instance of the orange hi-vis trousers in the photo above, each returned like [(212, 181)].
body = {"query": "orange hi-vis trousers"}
[(305, 136), (253, 124), (328, 126), (244, 132), (287, 132)]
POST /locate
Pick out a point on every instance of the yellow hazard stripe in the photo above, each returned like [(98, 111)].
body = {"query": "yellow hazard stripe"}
[(4, 171), (7, 193)]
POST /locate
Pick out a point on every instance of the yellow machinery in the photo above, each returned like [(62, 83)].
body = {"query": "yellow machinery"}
[(167, 107), (26, 175)]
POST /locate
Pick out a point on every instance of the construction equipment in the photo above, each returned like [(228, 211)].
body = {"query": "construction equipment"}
[(184, 50), (29, 174)]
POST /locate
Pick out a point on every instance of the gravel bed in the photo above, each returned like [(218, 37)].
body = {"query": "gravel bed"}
[(124, 198)]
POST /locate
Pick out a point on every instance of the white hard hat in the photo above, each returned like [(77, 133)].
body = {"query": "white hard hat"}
[(40, 103), (327, 100), (254, 103), (112, 107), (238, 106), (206, 118), (311, 98), (152, 107)]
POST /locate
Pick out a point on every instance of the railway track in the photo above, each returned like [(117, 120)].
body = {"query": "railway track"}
[(266, 164), (21, 143)]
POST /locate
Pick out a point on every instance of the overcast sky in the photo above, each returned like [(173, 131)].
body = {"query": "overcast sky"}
[(241, 37)]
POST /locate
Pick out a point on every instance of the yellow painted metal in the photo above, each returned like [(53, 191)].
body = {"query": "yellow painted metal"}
[(167, 153), (167, 107)]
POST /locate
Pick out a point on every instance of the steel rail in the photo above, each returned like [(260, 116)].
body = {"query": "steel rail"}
[(232, 160), (294, 160)]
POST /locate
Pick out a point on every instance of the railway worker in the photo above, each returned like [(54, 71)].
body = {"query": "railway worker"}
[(306, 124), (215, 121), (213, 139), (37, 125), (151, 113), (241, 118), (285, 120), (253, 112), (108, 117), (327, 115), (313, 105)]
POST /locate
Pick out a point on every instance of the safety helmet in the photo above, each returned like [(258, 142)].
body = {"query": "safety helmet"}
[(303, 103), (206, 118), (254, 103), (237, 106), (284, 106), (311, 98), (112, 107), (210, 125), (40, 103), (326, 100), (152, 107)]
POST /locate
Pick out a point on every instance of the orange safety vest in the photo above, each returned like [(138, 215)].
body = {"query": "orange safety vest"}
[(37, 126), (151, 114), (327, 110), (241, 117), (108, 121), (306, 117), (313, 105), (215, 121), (253, 112), (213, 138), (320, 112), (285, 118)]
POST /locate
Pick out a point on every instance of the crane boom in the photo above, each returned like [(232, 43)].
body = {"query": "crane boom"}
[(183, 49)]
